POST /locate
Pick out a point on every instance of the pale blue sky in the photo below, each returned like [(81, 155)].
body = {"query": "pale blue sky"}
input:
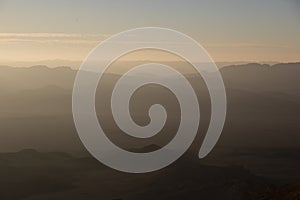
[(229, 29)]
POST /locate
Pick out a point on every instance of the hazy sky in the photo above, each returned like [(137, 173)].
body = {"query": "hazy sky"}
[(231, 30)]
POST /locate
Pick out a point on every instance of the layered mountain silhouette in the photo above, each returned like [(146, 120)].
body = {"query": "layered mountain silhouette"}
[(257, 156), (263, 104)]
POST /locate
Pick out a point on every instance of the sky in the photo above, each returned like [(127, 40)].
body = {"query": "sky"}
[(231, 30)]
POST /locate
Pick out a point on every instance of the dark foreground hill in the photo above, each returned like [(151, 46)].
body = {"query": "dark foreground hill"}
[(32, 175)]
